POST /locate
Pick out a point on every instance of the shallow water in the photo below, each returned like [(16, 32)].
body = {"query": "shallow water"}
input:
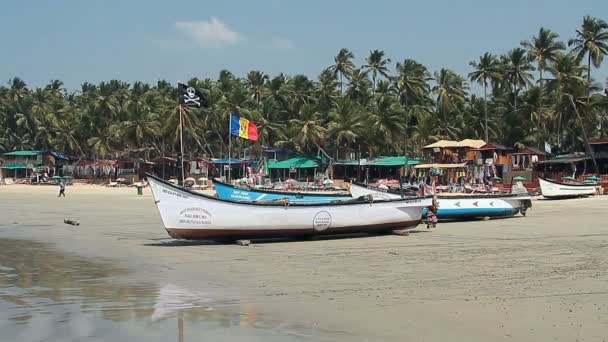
[(47, 295)]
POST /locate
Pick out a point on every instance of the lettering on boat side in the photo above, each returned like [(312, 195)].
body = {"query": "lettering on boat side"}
[(240, 194), (173, 193), (195, 215), (321, 221)]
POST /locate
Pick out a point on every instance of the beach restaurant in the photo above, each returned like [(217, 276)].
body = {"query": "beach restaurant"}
[(375, 168), (22, 164)]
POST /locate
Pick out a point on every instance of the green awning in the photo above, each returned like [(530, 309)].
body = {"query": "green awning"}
[(298, 163), (381, 161), (12, 166), (23, 153), (347, 162), (394, 161)]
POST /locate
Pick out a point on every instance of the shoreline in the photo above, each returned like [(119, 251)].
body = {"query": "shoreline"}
[(538, 277)]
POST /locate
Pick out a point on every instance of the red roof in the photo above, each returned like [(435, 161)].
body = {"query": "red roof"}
[(600, 141), (490, 147)]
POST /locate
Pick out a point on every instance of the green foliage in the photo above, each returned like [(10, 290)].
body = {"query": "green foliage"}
[(367, 107)]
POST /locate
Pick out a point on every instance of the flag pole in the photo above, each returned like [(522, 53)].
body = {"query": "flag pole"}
[(181, 143), (229, 146)]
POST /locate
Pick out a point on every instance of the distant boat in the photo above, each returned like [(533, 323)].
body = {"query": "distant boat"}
[(191, 215), (240, 193), (458, 206), (555, 190)]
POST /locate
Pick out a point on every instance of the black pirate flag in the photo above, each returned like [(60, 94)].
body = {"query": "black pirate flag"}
[(191, 97)]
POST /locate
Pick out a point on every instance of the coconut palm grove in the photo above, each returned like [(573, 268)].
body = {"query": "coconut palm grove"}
[(541, 91)]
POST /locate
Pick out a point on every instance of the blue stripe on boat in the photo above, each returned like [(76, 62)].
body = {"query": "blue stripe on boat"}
[(473, 212), (239, 194)]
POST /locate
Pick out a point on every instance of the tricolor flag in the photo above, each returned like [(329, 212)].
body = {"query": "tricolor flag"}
[(242, 127)]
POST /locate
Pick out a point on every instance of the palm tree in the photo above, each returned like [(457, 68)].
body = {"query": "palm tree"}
[(270, 130), (518, 71), (309, 125), (377, 64), (568, 80), (326, 91), (345, 122), (591, 40), (255, 82), (343, 66), (486, 69), (358, 88), (411, 81), (451, 92), (543, 49), (386, 122)]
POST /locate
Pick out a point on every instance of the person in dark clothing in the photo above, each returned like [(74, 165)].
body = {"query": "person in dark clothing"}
[(61, 189)]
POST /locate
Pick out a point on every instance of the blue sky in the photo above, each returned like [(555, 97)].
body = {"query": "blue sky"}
[(77, 41)]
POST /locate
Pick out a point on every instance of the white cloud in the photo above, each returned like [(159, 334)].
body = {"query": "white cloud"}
[(282, 43), (210, 33)]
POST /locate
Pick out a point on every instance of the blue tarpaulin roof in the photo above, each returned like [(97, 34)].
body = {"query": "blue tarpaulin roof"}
[(59, 155)]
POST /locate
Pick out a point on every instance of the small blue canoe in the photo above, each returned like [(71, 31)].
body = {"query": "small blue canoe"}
[(246, 194)]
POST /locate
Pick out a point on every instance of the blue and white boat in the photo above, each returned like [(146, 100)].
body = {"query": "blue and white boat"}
[(247, 194), (461, 206)]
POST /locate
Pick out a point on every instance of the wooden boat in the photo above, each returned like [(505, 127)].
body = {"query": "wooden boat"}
[(191, 215), (240, 193), (454, 206), (555, 190)]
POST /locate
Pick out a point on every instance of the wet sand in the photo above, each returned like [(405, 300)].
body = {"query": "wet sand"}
[(539, 278)]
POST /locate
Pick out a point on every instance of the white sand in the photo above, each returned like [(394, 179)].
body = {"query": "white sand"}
[(539, 278)]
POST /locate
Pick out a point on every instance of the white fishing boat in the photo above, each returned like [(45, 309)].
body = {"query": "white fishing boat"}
[(458, 205), (554, 190), (191, 215)]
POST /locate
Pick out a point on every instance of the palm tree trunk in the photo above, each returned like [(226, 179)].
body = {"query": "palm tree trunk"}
[(515, 99), (341, 91), (485, 105), (589, 76), (559, 132), (374, 81), (540, 99)]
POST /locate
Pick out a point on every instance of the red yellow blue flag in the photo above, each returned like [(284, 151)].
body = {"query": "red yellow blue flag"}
[(242, 127)]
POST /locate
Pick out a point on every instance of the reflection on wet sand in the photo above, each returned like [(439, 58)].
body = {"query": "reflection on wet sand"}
[(37, 281)]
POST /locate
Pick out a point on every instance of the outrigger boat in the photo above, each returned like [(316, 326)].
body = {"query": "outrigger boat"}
[(555, 190), (190, 215), (458, 206), (243, 193)]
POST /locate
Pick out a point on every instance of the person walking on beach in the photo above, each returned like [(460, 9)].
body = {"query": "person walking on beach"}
[(61, 189)]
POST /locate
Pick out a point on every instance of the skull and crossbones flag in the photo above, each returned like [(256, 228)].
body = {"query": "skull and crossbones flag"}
[(191, 97)]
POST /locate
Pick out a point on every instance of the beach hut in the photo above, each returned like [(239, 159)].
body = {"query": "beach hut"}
[(299, 167), (26, 163)]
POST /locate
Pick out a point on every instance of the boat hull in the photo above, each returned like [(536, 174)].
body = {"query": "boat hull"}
[(189, 215), (230, 192), (555, 190), (461, 206)]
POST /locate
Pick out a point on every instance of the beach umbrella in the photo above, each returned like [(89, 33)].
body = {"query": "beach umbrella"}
[(497, 178), (328, 181), (593, 178), (67, 177), (519, 178), (56, 177), (189, 179), (203, 180), (121, 180), (568, 178)]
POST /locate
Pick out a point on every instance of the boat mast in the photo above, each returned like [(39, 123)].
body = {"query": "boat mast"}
[(181, 146)]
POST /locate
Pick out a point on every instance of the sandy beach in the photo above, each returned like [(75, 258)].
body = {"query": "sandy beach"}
[(537, 278)]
